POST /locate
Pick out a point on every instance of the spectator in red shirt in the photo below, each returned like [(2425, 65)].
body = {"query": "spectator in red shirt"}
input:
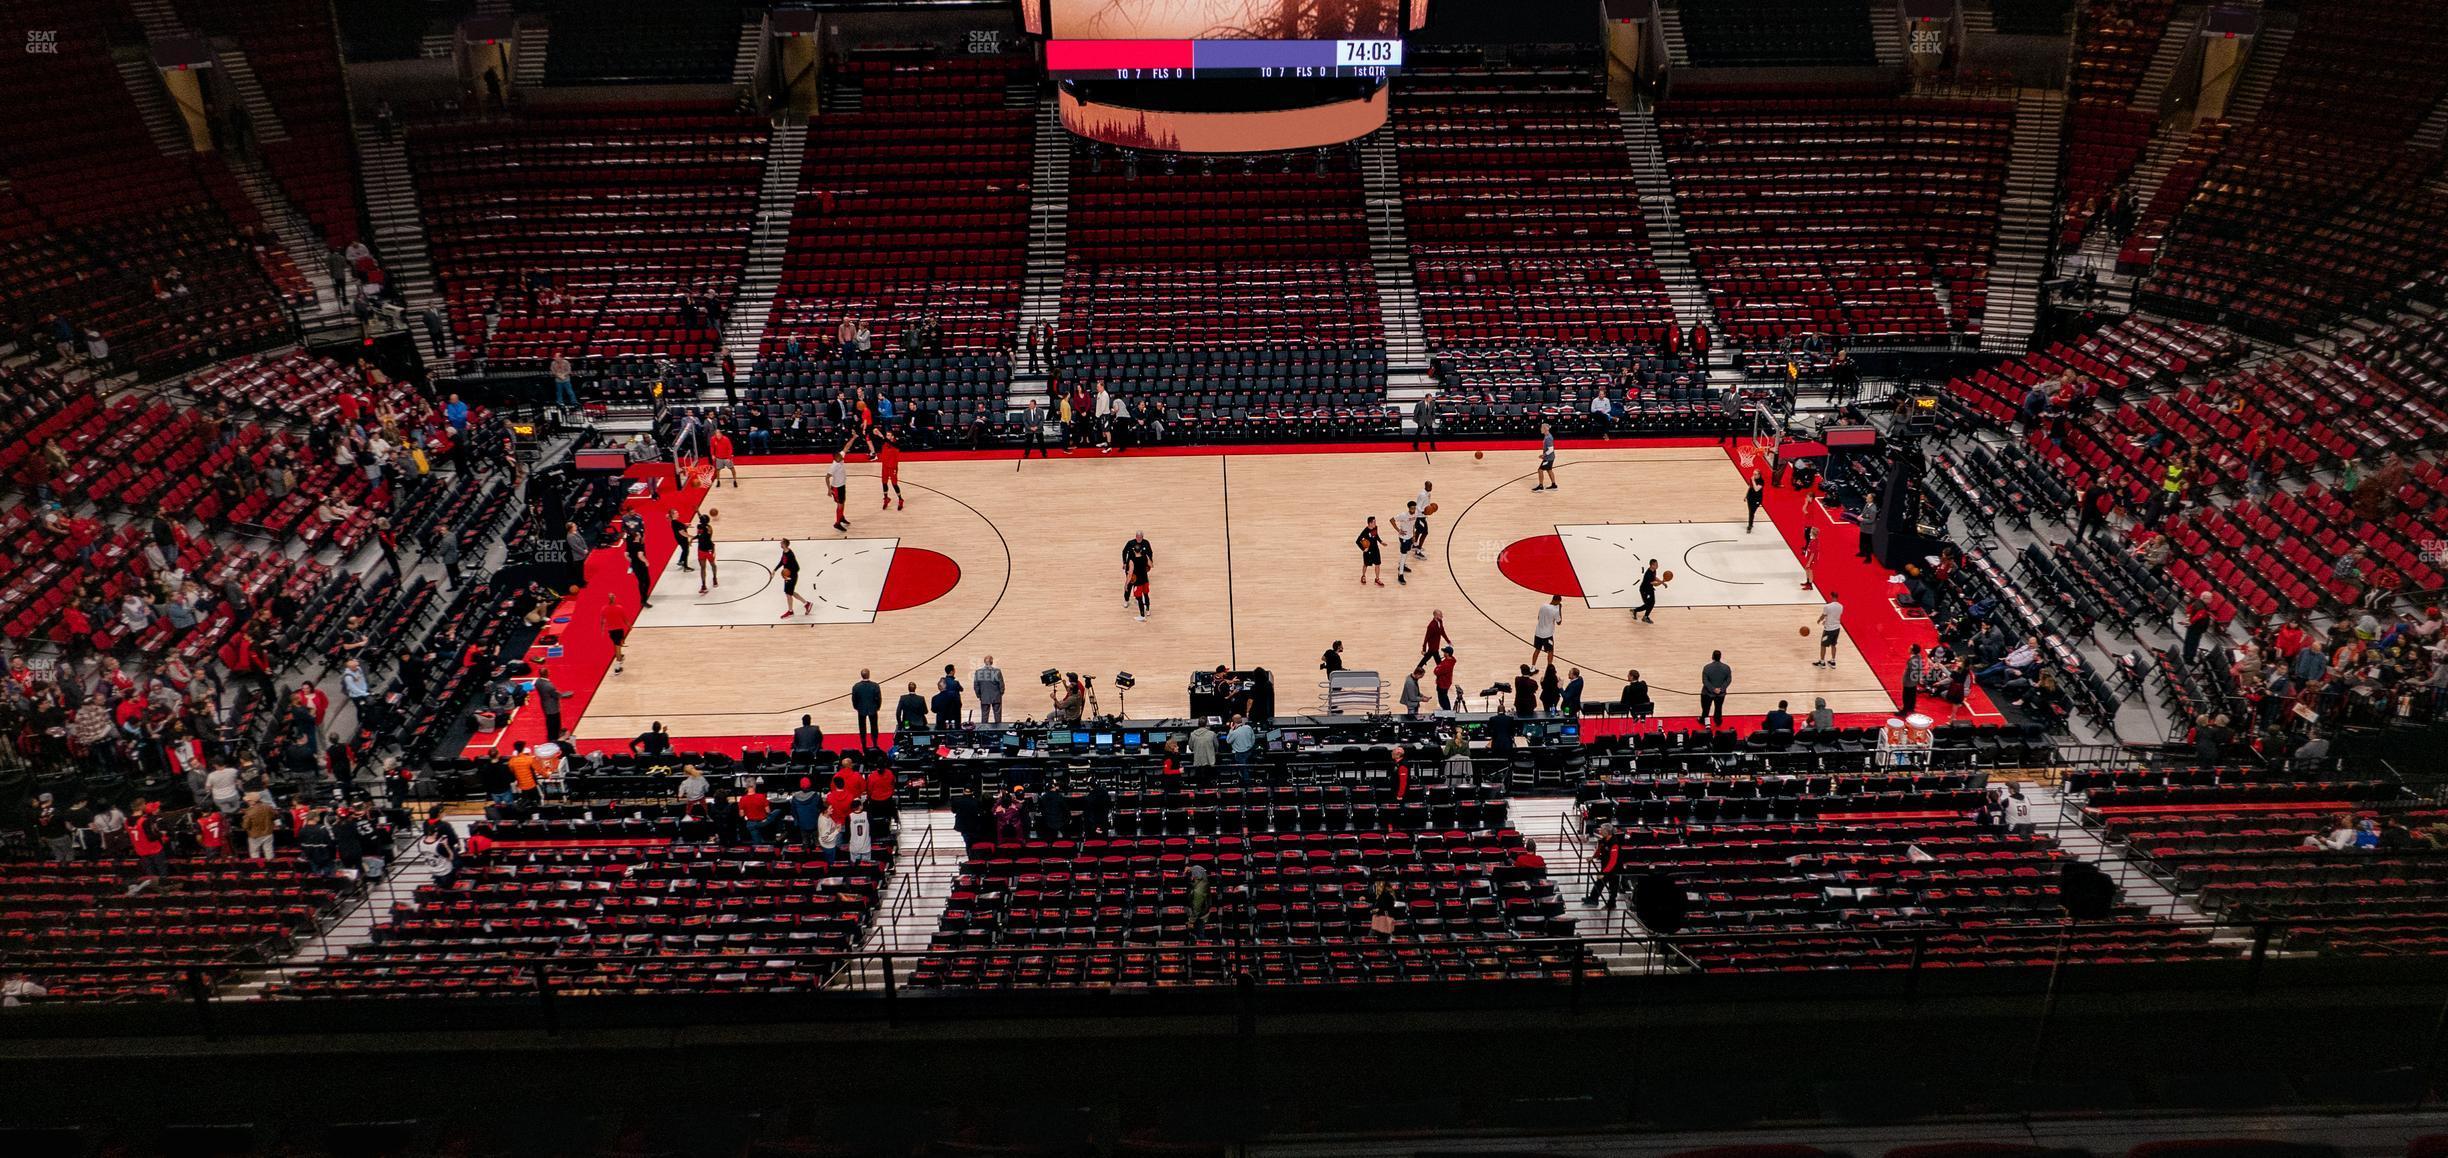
[(212, 832), (145, 837), (718, 448), (1435, 638), (755, 812), (2289, 640), (881, 807), (1445, 679), (847, 776)]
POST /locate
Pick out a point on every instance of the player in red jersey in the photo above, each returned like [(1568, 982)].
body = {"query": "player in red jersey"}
[(888, 452)]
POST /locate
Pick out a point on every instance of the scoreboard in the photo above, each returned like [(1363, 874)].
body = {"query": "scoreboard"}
[(1216, 59)]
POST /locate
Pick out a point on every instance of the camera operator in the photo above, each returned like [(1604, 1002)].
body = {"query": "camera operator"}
[(1069, 698)]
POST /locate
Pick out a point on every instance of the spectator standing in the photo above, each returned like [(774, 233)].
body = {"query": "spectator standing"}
[(1244, 742), (548, 701), (259, 822), (986, 683), (867, 699), (1715, 678), (149, 841), (860, 833)]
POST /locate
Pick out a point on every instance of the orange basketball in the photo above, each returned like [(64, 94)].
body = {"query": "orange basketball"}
[(1431, 509), (1478, 454), (1802, 630), (1666, 577)]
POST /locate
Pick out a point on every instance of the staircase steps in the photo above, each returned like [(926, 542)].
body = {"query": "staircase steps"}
[(2135, 886), (2269, 50), (1887, 30), (1614, 934), (159, 20), (296, 234), (533, 44), (751, 50), (837, 95), (2026, 223), (161, 120), (926, 861), (233, 61), (439, 45), (2183, 30), (1049, 232), (768, 240), (1670, 30), (408, 871), (1667, 244), (2432, 134), (399, 233), (1390, 253)]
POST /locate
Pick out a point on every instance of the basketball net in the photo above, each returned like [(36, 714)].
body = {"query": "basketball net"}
[(1763, 441)]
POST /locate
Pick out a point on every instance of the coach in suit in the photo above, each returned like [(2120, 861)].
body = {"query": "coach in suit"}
[(1424, 420), (867, 699)]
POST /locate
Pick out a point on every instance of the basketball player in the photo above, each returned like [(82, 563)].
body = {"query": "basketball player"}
[(888, 452), (1138, 558), (865, 416), (1543, 637), (1546, 470), (1648, 593), (1419, 531), (616, 623), (1371, 558), (788, 569), (719, 449), (1831, 629), (705, 551), (837, 477), (1406, 528), (1753, 495), (1810, 553)]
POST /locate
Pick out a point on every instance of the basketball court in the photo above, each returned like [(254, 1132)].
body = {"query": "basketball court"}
[(1255, 567)]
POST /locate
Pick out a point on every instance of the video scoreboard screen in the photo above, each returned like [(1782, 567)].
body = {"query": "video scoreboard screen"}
[(1215, 59), (1218, 39)]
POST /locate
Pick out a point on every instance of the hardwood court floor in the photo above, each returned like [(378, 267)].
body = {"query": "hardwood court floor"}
[(1254, 567)]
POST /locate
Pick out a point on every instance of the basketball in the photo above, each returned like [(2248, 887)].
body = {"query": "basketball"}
[(1666, 577), (1478, 454), (1802, 630), (1431, 509)]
